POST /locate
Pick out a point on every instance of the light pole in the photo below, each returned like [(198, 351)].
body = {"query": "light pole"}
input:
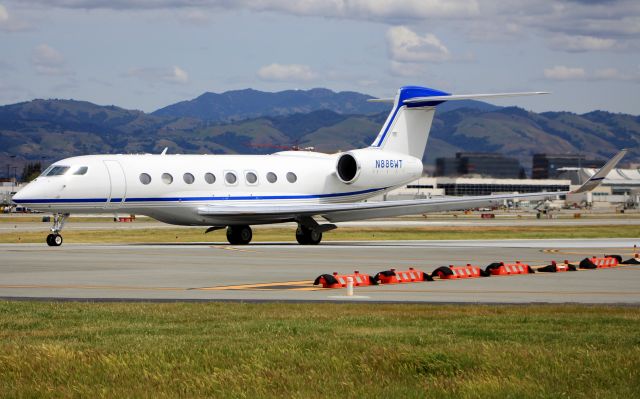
[(15, 181)]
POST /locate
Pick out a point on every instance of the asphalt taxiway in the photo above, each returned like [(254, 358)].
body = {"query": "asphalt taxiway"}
[(106, 224), (285, 271)]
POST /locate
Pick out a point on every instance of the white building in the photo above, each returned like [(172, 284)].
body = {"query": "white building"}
[(620, 187), (427, 187)]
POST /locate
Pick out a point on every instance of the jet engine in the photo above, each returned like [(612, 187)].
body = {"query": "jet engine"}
[(375, 168)]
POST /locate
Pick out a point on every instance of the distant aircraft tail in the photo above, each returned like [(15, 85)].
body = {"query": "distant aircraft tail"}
[(407, 127)]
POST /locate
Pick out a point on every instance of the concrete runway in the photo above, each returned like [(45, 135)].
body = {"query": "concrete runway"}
[(284, 271), (8, 227)]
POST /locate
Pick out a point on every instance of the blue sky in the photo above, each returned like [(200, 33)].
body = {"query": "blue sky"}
[(146, 54)]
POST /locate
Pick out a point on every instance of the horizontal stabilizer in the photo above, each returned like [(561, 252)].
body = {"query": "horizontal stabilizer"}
[(452, 97), (470, 97)]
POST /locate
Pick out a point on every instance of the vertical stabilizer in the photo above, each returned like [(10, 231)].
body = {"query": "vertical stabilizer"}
[(406, 129)]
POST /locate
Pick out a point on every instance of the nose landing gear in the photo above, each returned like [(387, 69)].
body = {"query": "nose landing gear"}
[(55, 239)]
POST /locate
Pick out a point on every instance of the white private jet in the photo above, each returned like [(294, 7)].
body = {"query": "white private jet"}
[(236, 191)]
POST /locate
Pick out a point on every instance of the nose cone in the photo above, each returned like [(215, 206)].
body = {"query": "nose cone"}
[(26, 194), (20, 196)]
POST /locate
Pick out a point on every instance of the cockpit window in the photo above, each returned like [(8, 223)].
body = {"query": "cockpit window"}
[(56, 170), (81, 170)]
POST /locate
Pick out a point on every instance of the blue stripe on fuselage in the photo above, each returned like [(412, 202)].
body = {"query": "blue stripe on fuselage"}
[(176, 199)]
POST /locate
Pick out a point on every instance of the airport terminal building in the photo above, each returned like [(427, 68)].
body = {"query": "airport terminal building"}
[(427, 187), (620, 188)]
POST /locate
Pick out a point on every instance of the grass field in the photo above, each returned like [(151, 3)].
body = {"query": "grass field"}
[(345, 233), (317, 350)]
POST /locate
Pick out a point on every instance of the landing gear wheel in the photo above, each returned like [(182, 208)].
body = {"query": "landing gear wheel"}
[(239, 235), (307, 236), (54, 240)]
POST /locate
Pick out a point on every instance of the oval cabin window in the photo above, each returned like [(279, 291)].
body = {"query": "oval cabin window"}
[(167, 178), (210, 178), (251, 178), (291, 177), (272, 177), (145, 178), (231, 178), (188, 178)]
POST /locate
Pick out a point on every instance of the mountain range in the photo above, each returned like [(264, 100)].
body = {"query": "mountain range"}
[(250, 121)]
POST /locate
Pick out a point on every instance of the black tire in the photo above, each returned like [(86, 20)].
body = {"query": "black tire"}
[(239, 235), (307, 236), (54, 240), (301, 237), (245, 235), (315, 237)]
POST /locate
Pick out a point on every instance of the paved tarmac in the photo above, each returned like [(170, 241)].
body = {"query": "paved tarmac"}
[(8, 227), (284, 271)]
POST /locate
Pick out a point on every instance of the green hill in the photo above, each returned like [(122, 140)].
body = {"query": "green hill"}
[(48, 130)]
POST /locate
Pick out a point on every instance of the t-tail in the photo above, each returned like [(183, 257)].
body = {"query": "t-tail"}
[(407, 127)]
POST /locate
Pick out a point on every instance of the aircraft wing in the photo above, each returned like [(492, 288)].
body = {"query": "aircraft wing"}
[(359, 210), (343, 212)]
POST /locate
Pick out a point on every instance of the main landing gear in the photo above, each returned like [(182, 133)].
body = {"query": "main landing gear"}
[(308, 236), (239, 235), (55, 239), (309, 232)]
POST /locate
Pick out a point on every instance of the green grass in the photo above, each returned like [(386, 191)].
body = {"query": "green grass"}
[(346, 233), (317, 350)]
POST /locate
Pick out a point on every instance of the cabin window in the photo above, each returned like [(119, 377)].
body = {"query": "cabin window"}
[(81, 171), (210, 178), (188, 178), (291, 177), (56, 171), (145, 178), (167, 178), (251, 177), (272, 177), (231, 178)]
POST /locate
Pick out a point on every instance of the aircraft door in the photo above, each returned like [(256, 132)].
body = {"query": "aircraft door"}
[(118, 184)]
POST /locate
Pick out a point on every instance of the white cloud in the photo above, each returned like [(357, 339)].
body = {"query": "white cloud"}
[(352, 9), (608, 74), (179, 75), (479, 19), (174, 74), (407, 46), (580, 43), (561, 72), (4, 15), (195, 17), (9, 23), (407, 69), (289, 72), (48, 61), (615, 74)]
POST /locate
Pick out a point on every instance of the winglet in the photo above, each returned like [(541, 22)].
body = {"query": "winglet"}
[(597, 179)]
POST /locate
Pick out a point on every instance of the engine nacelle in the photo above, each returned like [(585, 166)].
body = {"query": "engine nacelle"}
[(376, 168)]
